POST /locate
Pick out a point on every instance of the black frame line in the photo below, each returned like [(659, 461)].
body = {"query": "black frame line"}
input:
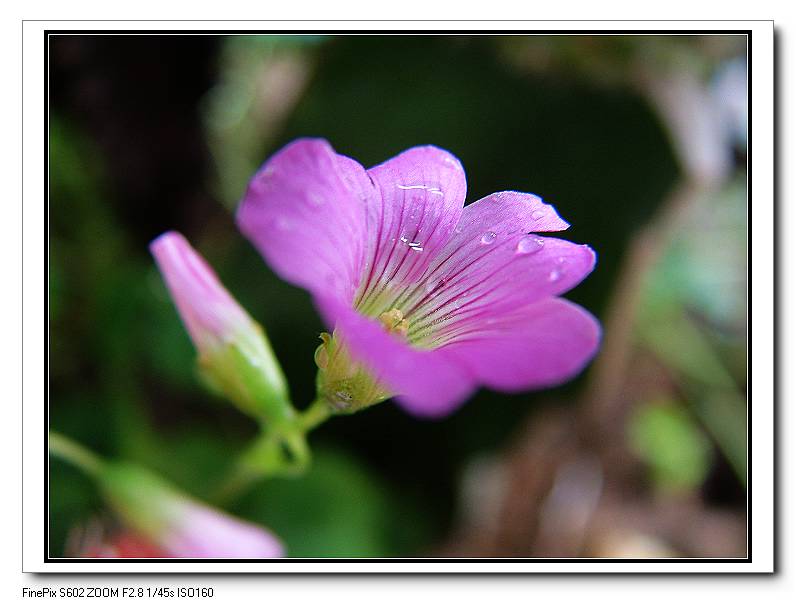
[(49, 560)]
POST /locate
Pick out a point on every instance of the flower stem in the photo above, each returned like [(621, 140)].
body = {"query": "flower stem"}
[(75, 454), (274, 453), (314, 415)]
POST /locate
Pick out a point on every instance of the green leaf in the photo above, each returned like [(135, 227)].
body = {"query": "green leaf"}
[(338, 509), (724, 416), (670, 442)]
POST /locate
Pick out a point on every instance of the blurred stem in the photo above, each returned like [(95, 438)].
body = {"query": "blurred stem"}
[(608, 374), (275, 453), (75, 454), (687, 113), (261, 459), (314, 415)]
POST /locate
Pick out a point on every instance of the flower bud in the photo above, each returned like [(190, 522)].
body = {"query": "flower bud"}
[(178, 525), (234, 353)]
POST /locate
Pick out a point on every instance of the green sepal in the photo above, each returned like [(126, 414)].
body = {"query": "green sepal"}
[(345, 385), (246, 372), (143, 500)]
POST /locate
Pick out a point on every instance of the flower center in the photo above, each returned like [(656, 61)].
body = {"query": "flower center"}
[(414, 313), (394, 322)]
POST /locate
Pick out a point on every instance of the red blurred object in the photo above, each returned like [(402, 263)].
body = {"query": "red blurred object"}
[(102, 539), (124, 545)]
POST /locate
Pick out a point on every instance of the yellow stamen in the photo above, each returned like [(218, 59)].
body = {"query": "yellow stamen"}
[(393, 321)]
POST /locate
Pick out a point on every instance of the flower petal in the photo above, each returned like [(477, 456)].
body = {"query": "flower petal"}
[(202, 532), (305, 212), (422, 193), (541, 345), (210, 313), (480, 278), (491, 262), (506, 212)]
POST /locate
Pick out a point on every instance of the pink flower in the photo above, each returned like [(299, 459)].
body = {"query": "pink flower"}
[(431, 299), (176, 524), (202, 532)]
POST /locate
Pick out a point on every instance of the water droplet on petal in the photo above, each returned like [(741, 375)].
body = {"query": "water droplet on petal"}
[(488, 238), (537, 214), (529, 244), (554, 275), (429, 188)]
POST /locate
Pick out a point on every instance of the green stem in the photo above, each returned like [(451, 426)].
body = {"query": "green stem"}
[(68, 450), (275, 452), (264, 458), (236, 483), (317, 413)]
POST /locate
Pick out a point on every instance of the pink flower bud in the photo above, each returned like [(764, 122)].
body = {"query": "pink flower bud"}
[(178, 525), (234, 353), (208, 310)]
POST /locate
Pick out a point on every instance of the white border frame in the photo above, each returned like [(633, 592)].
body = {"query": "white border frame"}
[(761, 274)]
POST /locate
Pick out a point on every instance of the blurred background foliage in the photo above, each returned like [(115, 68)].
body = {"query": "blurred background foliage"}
[(151, 133)]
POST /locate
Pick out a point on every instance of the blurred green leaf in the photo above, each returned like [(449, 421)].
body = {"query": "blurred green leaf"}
[(682, 346), (339, 509), (724, 415), (665, 436), (705, 268)]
